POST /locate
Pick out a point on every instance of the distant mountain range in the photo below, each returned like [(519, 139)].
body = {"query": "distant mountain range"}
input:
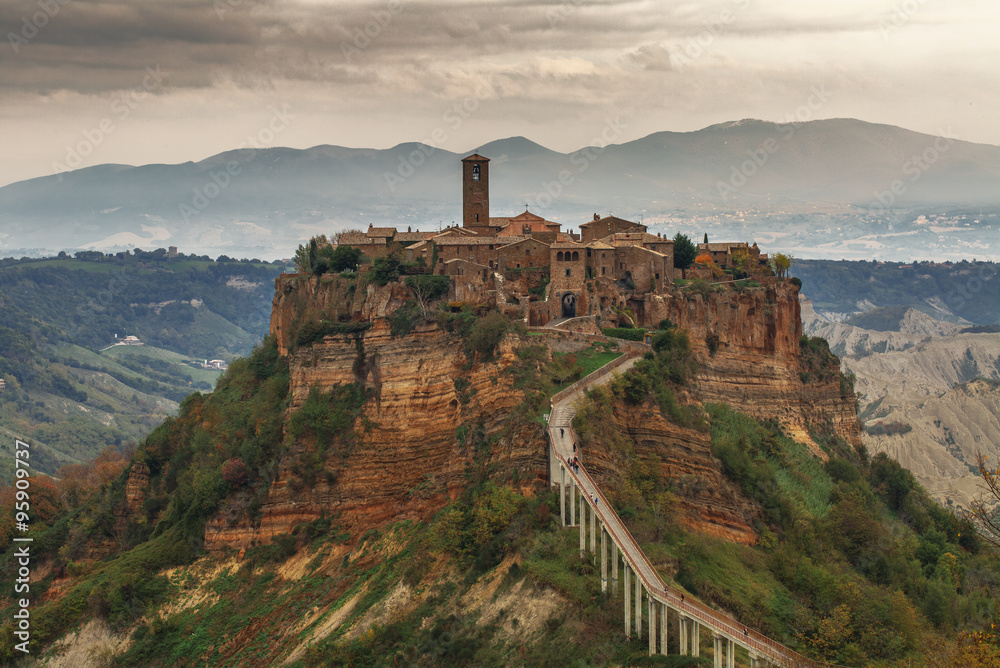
[(264, 202)]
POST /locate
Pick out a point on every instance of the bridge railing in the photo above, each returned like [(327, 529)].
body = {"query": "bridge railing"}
[(633, 554)]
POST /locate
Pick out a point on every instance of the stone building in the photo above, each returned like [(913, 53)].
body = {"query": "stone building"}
[(523, 254), (525, 259), (599, 227)]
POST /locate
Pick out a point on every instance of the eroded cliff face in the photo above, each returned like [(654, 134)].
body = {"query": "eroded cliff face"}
[(419, 431), (708, 502), (414, 440), (747, 345)]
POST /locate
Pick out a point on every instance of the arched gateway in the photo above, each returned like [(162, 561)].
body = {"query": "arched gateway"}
[(569, 305)]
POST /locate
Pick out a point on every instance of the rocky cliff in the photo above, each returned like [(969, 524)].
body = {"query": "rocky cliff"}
[(429, 413), (747, 344)]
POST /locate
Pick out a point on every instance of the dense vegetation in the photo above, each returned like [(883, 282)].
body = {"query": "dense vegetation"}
[(970, 290), (71, 402), (185, 456), (856, 564)]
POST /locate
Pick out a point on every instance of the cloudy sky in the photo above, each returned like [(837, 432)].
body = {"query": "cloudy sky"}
[(85, 82)]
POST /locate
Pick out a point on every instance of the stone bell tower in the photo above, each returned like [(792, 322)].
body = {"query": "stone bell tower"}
[(476, 191)]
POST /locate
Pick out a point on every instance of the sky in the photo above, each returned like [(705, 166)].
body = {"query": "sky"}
[(87, 82)]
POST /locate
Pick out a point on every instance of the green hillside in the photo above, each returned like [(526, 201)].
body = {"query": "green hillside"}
[(855, 563), (70, 391), (947, 291)]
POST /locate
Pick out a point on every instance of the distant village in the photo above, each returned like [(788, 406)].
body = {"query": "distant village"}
[(516, 257)]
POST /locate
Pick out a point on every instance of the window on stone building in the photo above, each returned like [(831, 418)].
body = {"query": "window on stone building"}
[(559, 256), (576, 256), (604, 271), (569, 272), (657, 277), (475, 176), (588, 252), (527, 251)]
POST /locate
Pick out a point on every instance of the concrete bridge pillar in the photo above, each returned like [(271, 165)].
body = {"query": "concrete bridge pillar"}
[(754, 659), (730, 654), (593, 529), (572, 502), (638, 605), (695, 641), (683, 635), (604, 559), (562, 494), (583, 522), (664, 611), (628, 607), (614, 568), (652, 605), (718, 645)]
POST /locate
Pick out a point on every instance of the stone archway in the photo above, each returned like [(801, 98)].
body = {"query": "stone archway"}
[(568, 305)]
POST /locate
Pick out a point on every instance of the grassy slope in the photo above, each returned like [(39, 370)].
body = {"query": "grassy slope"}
[(853, 563)]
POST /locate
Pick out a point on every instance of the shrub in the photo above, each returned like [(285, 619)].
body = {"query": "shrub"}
[(485, 335), (235, 472)]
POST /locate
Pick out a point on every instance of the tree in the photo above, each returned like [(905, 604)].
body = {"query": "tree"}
[(684, 252), (706, 238), (781, 263), (427, 288), (984, 510), (343, 258)]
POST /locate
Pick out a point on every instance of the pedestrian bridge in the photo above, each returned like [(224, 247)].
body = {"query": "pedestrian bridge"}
[(581, 503)]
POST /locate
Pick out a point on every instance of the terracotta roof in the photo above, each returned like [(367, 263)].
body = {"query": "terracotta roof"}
[(381, 231), (476, 156), (457, 230), (600, 245), (467, 241), (496, 221), (527, 216), (645, 250), (356, 239), (611, 219), (411, 236), (567, 244)]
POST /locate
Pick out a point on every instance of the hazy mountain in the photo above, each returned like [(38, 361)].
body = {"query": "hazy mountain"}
[(928, 389), (265, 202)]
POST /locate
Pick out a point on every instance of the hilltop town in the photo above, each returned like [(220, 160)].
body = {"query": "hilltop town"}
[(551, 274)]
